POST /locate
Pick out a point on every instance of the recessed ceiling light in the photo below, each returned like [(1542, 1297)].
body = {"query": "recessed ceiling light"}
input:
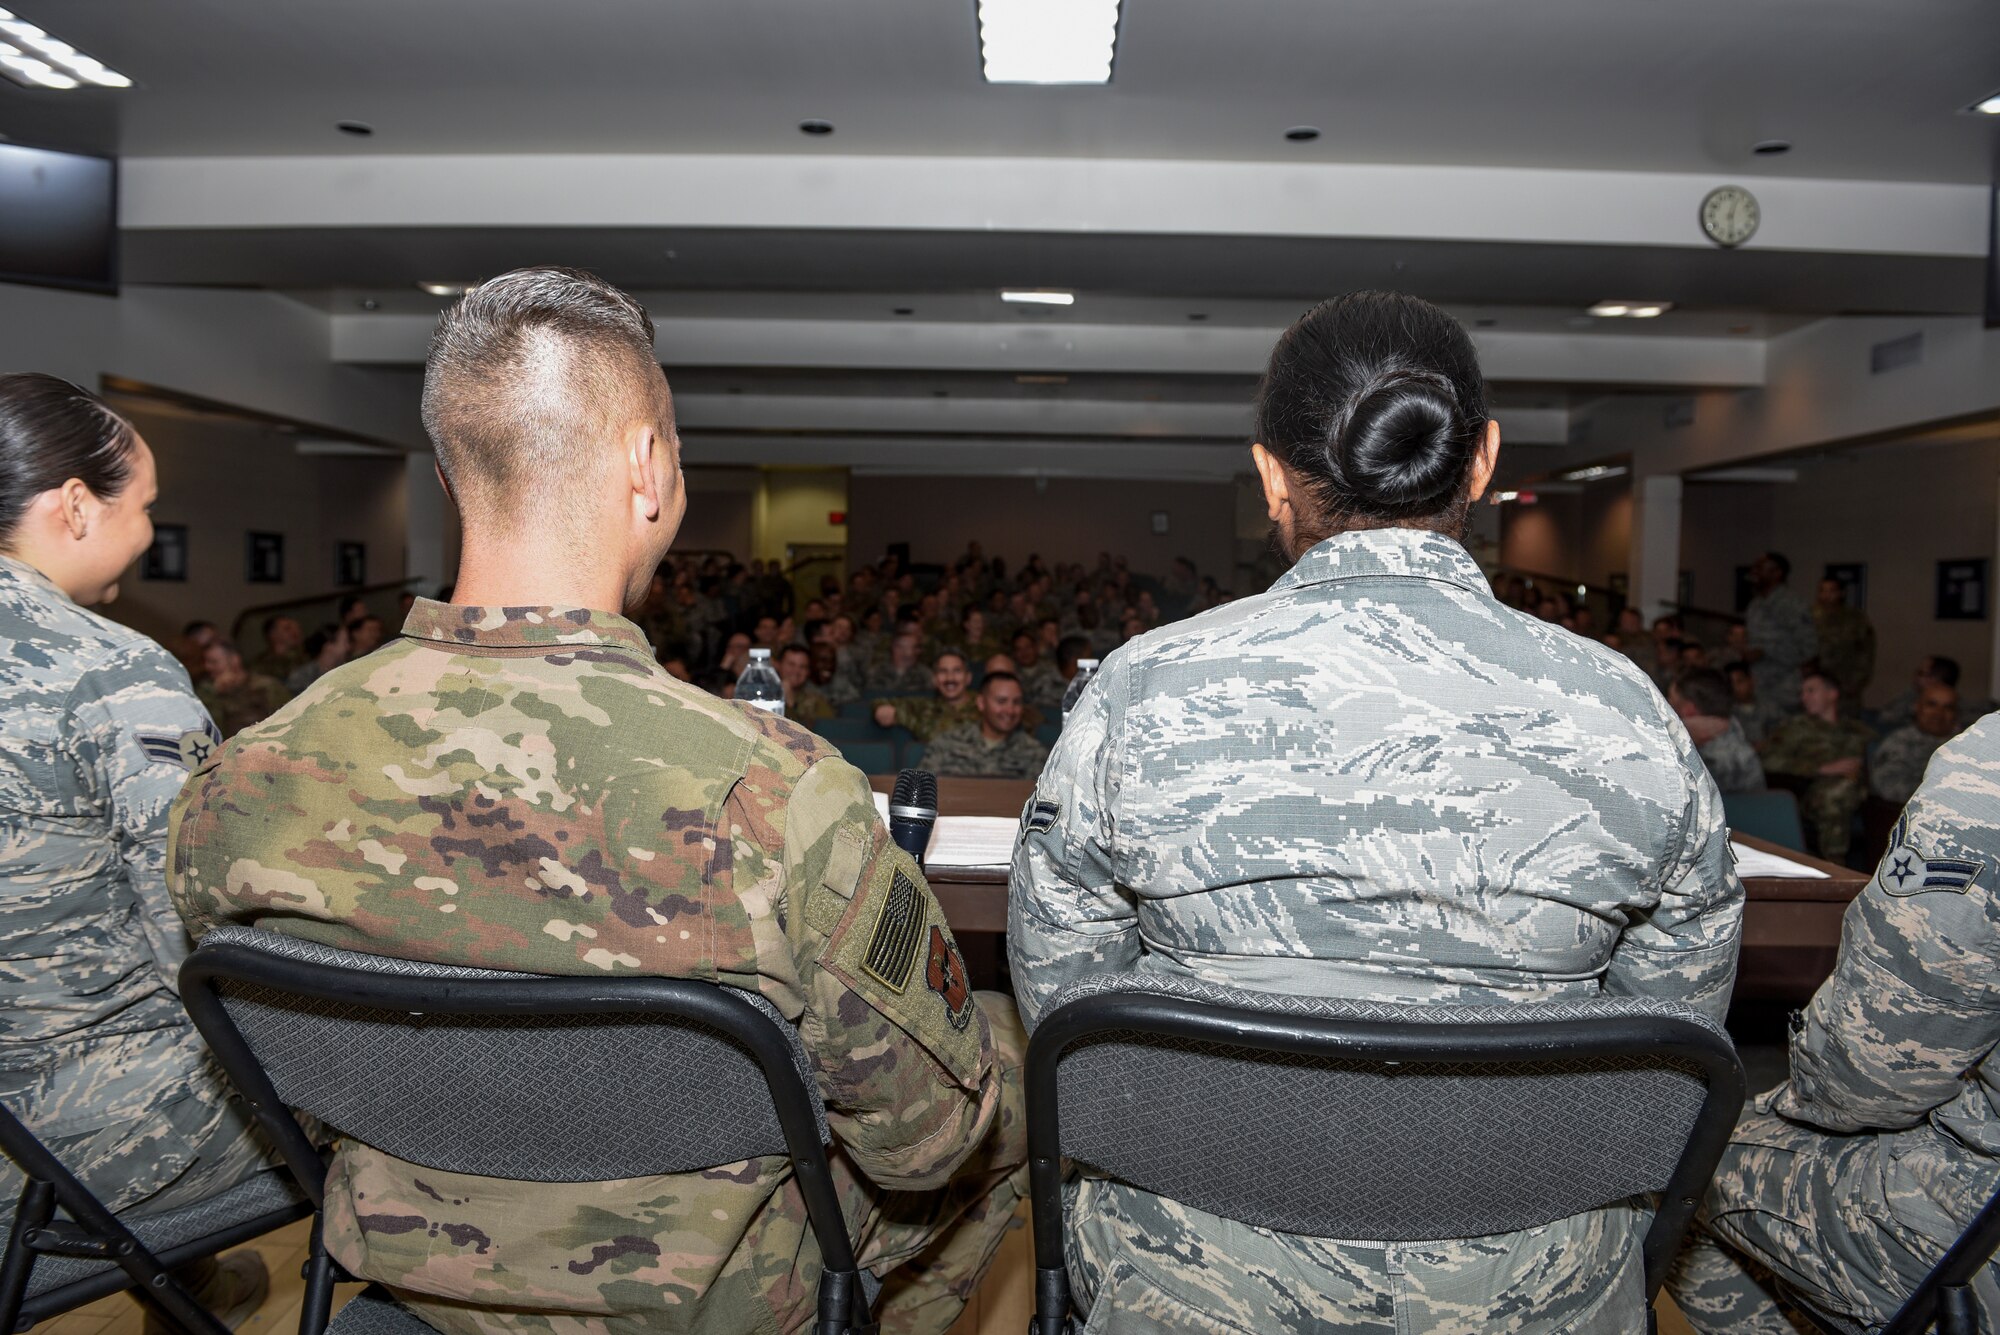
[(1048, 41), (1596, 473), (816, 127), (360, 129), (33, 59), (1302, 134), (1771, 148), (445, 289), (1043, 298), (1631, 310), (1989, 107)]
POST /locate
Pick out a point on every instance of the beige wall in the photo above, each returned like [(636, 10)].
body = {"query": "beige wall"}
[(222, 479), (794, 508), (1072, 520)]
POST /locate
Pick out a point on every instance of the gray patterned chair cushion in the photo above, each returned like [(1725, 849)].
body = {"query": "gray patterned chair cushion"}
[(373, 1312), (265, 1193), (1361, 1150), (555, 1098)]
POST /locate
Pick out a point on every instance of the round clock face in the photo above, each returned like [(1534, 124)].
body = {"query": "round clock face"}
[(1729, 215)]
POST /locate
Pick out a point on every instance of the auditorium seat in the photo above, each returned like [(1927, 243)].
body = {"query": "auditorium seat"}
[(870, 757), (1771, 814)]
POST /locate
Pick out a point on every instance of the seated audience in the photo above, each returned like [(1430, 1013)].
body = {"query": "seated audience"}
[(1633, 641), (1845, 1184), (1934, 670), (827, 678), (1270, 736), (366, 635), (325, 649), (995, 747), (234, 696), (554, 431), (902, 672), (1825, 755), (1758, 717), (805, 704), (98, 730), (1701, 697), (283, 652), (1041, 681), (949, 704), (1897, 766), (195, 637)]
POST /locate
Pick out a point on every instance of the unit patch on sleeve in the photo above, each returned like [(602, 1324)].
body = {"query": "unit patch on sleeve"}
[(944, 974), (899, 931), (1908, 870)]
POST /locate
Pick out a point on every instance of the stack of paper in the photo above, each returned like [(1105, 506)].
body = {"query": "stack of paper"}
[(1756, 862), (966, 841)]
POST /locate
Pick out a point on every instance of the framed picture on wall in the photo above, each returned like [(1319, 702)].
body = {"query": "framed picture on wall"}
[(1852, 577), (167, 558), (350, 564), (1961, 590), (264, 558)]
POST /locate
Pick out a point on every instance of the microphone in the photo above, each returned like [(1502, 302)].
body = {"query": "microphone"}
[(913, 811)]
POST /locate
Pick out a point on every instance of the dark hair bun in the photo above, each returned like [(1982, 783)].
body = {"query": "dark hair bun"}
[(1399, 451), (1376, 402)]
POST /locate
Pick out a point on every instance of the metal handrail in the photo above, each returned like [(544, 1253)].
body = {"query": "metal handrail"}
[(353, 591)]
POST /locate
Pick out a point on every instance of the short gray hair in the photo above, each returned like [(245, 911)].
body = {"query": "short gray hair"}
[(521, 371)]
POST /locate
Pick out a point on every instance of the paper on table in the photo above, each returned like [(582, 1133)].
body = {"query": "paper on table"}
[(882, 807), (1756, 862), (972, 841)]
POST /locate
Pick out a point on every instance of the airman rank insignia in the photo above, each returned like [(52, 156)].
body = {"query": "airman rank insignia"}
[(186, 749), (1040, 817), (1907, 870)]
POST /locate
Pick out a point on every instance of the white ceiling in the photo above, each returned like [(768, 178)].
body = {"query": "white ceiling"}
[(1864, 88)]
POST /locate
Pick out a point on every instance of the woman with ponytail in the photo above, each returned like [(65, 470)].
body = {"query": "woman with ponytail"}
[(1373, 781)]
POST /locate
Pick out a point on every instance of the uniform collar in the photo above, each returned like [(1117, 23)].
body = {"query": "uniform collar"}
[(1406, 553), (20, 571), (521, 627)]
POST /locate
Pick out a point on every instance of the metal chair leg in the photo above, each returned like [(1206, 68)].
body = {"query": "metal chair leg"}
[(36, 1208)]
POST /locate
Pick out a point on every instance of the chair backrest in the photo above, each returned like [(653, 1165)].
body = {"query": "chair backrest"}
[(1346, 1119), (874, 757), (911, 755), (839, 730), (1770, 813)]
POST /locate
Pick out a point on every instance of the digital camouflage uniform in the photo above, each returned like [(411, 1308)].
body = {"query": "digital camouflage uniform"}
[(1760, 718), (1849, 1181), (1372, 781), (886, 680), (1043, 685), (254, 701), (524, 788), (98, 730), (1846, 649), (1732, 761), (1781, 624), (1897, 766), (1797, 749), (965, 752), (925, 716)]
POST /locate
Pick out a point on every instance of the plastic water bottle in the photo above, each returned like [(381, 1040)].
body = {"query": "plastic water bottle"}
[(1086, 668), (759, 684)]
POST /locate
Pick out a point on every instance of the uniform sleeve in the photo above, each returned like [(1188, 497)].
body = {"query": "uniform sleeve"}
[(136, 730), (1914, 1000), (1684, 949), (903, 1054), (1067, 916)]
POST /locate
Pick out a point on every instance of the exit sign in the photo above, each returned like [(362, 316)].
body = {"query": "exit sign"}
[(836, 518)]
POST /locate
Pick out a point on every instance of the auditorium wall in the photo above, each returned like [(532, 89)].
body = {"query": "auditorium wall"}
[(1069, 519), (225, 478)]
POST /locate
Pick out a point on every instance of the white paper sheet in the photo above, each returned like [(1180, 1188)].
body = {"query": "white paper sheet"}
[(972, 841), (1756, 862)]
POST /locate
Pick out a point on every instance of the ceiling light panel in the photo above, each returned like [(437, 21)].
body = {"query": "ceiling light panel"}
[(1048, 41), (33, 59), (1990, 107), (1022, 298), (1631, 309)]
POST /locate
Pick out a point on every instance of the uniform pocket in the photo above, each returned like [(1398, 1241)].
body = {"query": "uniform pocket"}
[(1129, 1303), (128, 1163)]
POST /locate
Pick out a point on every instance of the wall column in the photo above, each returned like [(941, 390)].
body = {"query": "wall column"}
[(425, 558), (1656, 544)]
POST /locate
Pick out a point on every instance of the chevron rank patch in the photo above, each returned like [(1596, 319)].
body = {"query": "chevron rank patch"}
[(185, 749), (1040, 817), (899, 931), (1908, 870)]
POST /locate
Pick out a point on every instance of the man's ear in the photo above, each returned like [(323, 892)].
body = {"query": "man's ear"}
[(643, 457), (443, 481), (1277, 486)]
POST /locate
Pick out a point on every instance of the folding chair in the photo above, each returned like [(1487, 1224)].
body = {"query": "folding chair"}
[(429, 1063), (64, 1247), (1388, 1122), (1944, 1298)]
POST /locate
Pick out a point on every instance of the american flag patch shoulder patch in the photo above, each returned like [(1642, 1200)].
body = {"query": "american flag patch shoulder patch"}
[(899, 931)]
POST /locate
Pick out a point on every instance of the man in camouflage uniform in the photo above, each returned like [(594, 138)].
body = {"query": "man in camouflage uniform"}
[(1827, 754), (1846, 642), (1847, 1183), (1295, 793), (1042, 682), (903, 672), (234, 696), (995, 747), (805, 704), (1701, 697), (1781, 634), (1759, 717), (516, 784), (951, 704), (284, 648), (1897, 766)]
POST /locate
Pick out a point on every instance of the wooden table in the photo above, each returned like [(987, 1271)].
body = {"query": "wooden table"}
[(1791, 927)]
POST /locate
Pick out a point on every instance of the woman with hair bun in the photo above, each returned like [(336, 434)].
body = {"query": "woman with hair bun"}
[(1373, 781), (98, 730)]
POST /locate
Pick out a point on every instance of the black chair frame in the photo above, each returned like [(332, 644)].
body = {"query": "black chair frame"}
[(92, 1231), (1370, 1041), (214, 966)]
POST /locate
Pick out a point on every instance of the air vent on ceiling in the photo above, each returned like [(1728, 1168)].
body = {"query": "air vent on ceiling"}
[(1896, 353)]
